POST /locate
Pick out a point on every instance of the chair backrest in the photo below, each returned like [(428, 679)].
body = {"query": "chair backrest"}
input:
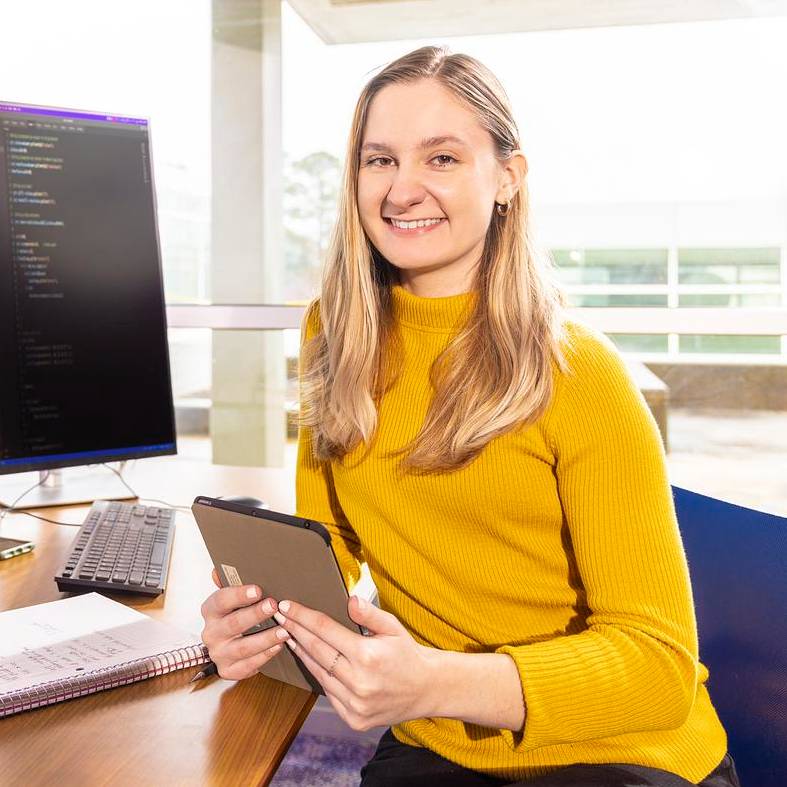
[(738, 564)]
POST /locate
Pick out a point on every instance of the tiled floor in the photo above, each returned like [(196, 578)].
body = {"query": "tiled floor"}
[(738, 457)]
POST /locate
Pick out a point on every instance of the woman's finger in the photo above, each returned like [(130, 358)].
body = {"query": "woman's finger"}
[(340, 696), (245, 668), (235, 623), (319, 651), (324, 626), (226, 653), (331, 684), (221, 602), (340, 707), (215, 577)]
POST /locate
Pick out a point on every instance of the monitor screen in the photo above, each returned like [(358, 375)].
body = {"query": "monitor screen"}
[(84, 375)]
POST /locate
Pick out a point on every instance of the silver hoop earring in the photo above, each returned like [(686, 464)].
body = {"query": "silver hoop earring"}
[(502, 210)]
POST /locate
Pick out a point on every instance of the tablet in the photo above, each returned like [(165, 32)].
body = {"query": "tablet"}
[(287, 556)]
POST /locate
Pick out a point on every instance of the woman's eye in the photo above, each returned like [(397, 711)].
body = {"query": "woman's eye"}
[(379, 161), (444, 160)]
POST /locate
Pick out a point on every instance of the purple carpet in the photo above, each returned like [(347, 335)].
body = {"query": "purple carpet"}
[(324, 761)]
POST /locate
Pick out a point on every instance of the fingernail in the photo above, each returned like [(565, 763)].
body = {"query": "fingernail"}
[(267, 607), (282, 633), (284, 606), (278, 617), (252, 592), (291, 643), (361, 602)]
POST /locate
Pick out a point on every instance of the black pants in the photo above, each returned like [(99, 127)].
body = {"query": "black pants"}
[(395, 764)]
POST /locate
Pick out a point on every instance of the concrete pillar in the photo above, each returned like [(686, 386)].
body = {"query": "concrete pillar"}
[(247, 422)]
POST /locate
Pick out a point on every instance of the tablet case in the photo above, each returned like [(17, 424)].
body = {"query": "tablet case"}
[(287, 556)]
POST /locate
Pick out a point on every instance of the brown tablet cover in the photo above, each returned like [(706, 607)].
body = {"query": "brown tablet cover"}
[(287, 556)]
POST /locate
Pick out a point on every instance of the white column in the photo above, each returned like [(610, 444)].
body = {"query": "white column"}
[(783, 269), (673, 279), (247, 423)]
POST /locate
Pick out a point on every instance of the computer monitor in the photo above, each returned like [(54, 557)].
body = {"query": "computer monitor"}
[(84, 371)]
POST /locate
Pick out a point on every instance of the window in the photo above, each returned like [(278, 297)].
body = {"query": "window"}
[(640, 342), (612, 266), (709, 343), (729, 266)]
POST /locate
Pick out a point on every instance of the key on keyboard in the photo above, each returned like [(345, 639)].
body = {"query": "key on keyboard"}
[(121, 547)]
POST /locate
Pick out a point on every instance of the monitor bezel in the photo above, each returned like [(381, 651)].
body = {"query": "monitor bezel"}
[(44, 463)]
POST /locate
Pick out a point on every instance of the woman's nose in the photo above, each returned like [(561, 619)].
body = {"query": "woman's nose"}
[(406, 189)]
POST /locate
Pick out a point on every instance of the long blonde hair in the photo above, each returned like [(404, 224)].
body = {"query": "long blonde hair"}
[(496, 373)]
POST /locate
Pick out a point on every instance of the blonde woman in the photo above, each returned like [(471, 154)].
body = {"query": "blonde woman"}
[(492, 462)]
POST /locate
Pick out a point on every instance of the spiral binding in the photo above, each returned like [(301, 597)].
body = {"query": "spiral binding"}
[(108, 678)]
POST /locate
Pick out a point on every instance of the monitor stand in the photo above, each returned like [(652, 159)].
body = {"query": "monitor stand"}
[(81, 485)]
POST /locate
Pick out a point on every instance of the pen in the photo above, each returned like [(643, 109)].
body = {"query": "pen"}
[(208, 670)]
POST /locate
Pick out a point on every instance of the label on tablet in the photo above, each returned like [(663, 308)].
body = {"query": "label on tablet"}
[(232, 575)]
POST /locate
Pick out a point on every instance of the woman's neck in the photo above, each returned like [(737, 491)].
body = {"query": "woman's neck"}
[(437, 283)]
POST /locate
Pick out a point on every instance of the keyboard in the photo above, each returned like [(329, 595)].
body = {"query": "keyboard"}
[(121, 547)]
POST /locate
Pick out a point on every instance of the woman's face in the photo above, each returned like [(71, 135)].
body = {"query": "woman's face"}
[(427, 185)]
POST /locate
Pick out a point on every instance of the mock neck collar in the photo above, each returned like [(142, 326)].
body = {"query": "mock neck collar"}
[(436, 314)]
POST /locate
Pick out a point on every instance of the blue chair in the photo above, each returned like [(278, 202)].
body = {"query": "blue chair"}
[(738, 564)]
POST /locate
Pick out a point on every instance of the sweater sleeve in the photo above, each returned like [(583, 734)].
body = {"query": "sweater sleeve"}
[(315, 495), (634, 667)]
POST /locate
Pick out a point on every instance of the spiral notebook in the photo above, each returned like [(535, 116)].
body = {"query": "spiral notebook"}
[(80, 645)]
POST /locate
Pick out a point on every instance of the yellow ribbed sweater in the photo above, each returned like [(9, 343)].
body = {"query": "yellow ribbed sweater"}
[(558, 545)]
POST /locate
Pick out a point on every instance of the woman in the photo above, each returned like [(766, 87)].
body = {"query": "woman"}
[(494, 465)]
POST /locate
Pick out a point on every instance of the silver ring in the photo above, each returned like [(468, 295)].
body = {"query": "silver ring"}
[(330, 671)]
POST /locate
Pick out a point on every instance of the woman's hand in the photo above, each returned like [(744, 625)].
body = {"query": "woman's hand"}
[(227, 614), (374, 681)]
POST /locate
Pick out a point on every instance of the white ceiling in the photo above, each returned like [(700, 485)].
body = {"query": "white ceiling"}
[(357, 21)]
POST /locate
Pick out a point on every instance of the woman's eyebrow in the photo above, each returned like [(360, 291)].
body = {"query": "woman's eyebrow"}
[(428, 142), (433, 142)]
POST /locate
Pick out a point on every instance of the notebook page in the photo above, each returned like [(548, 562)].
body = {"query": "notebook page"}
[(73, 636)]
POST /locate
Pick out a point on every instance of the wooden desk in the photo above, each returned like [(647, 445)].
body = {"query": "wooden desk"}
[(162, 731)]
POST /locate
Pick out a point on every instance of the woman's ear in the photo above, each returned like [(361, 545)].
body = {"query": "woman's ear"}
[(514, 171)]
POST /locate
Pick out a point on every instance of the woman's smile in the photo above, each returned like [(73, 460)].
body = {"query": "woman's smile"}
[(415, 227)]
